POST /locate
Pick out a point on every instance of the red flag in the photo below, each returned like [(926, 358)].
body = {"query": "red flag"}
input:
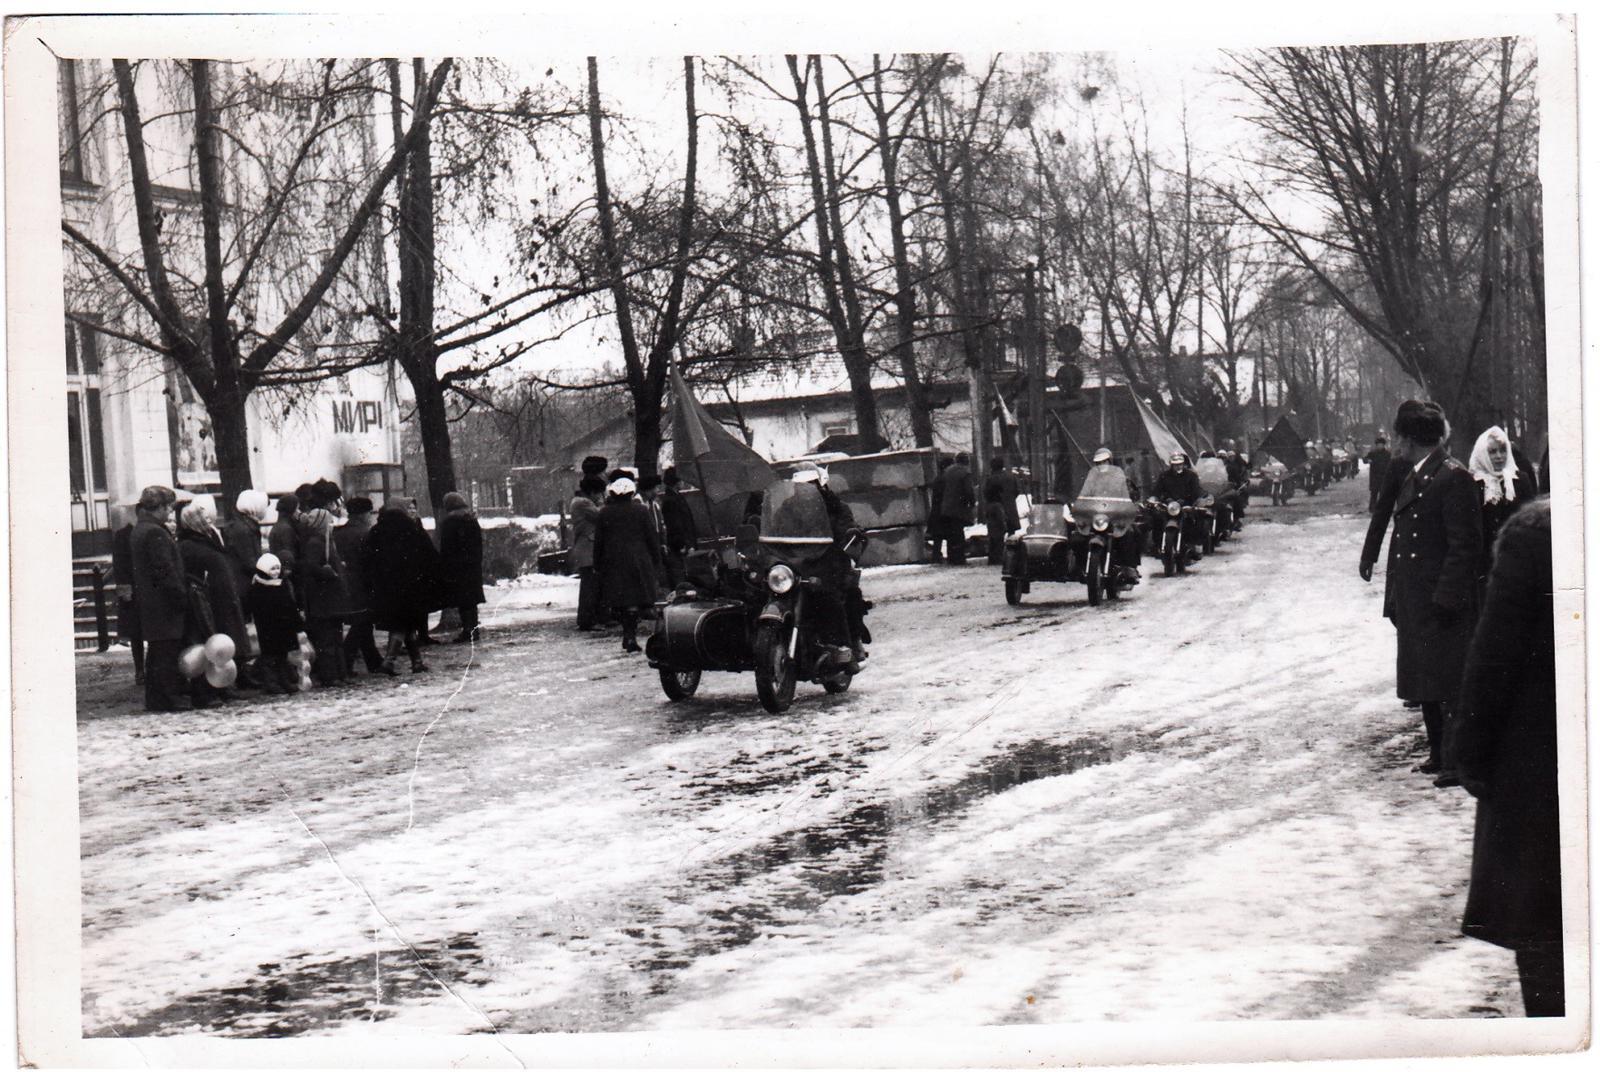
[(712, 457)]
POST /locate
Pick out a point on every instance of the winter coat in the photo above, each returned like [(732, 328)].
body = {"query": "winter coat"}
[(1505, 741), (955, 497), (1000, 490), (1430, 589), (1377, 468), (205, 559), (679, 520), (122, 577), (1496, 513), (401, 569), (461, 559), (584, 514), (159, 587), (322, 587), (347, 539), (277, 618), (283, 540), (626, 554), (241, 537), (1184, 486)]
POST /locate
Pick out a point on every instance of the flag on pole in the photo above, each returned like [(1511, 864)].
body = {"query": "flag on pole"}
[(717, 461)]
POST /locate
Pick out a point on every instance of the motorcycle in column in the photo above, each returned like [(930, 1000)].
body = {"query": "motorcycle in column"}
[(1170, 530), (759, 616), (1214, 512), (1103, 514)]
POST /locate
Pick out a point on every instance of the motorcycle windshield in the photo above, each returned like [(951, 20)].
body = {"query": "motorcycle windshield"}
[(1105, 491), (795, 515), (1213, 473)]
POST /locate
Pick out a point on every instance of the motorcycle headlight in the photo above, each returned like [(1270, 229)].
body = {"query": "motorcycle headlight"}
[(780, 578), (1101, 522), (1174, 508)]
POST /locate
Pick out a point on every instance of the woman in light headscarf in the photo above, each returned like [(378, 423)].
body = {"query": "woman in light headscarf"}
[(241, 534), (204, 559), (1503, 483)]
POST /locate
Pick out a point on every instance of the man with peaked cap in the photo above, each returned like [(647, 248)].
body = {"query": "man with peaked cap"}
[(1430, 589)]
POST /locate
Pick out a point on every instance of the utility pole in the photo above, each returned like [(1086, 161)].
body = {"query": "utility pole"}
[(1037, 428)]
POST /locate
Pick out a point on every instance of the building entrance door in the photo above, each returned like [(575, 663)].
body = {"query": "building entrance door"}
[(86, 449)]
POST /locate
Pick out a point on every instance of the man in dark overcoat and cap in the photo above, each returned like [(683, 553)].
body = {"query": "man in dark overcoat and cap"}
[(1430, 590), (162, 596)]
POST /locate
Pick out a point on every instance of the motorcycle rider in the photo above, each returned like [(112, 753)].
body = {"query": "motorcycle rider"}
[(840, 608), (1239, 477), (1126, 549), (1179, 481)]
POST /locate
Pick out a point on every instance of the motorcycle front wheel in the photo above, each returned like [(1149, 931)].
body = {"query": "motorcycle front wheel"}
[(679, 684), (1167, 563), (1013, 592), (775, 671), (1096, 578)]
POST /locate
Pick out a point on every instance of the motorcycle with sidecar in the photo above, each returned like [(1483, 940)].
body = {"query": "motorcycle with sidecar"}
[(1076, 544), (750, 608)]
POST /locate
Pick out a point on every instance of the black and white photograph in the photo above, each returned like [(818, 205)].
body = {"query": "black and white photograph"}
[(734, 543)]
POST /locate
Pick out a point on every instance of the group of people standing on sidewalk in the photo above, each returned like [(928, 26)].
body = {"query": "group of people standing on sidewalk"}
[(630, 538), (952, 506), (1469, 590), (328, 572)]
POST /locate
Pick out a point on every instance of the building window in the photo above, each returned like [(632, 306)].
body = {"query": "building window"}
[(69, 121), (83, 350), (836, 428)]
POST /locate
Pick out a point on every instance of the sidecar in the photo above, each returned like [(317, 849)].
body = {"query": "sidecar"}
[(1048, 551)]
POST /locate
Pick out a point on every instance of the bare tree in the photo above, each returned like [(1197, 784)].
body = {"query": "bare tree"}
[(263, 189)]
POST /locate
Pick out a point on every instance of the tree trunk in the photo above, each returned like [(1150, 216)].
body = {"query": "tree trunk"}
[(905, 297), (433, 423), (230, 429)]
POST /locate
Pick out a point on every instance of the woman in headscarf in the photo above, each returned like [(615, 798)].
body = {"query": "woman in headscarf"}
[(627, 556), (461, 562), (400, 566), (1503, 484), (322, 590), (585, 512), (241, 534), (205, 559)]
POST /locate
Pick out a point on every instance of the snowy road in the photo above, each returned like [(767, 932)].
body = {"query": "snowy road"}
[(1197, 804)]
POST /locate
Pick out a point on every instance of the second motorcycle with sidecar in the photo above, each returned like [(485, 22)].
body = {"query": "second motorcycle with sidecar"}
[(1076, 544)]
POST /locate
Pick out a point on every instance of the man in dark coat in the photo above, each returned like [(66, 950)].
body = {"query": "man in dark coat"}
[(678, 520), (1505, 739), (585, 512), (627, 556), (207, 563), (283, 540), (348, 539), (1378, 459), (127, 607), (162, 597), (956, 502), (322, 591), (461, 562), (1000, 507), (1430, 590)]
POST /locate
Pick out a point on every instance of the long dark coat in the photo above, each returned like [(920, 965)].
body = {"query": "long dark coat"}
[(277, 618), (1000, 490), (1377, 470), (348, 538), (204, 558), (1496, 513), (626, 553), (159, 588), (241, 537), (1184, 486), (679, 520), (461, 559), (1505, 739), (1430, 589), (401, 568), (284, 541), (322, 586), (955, 498)]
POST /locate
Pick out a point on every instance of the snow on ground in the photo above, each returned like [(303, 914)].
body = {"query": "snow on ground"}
[(1195, 803)]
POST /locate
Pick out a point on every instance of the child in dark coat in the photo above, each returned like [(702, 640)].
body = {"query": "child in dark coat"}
[(278, 624)]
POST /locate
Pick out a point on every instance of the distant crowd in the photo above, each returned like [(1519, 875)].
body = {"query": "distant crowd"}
[(316, 587)]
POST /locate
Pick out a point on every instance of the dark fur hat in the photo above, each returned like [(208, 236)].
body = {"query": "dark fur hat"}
[(1420, 422)]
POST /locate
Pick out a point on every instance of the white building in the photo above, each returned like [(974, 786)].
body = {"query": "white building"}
[(132, 417)]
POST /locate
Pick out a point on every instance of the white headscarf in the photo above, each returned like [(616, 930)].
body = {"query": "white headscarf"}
[(1497, 483)]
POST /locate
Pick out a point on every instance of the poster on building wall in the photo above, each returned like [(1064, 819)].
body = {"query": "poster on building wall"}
[(194, 448)]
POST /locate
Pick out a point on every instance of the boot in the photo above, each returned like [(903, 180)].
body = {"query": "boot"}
[(418, 666), (388, 667)]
